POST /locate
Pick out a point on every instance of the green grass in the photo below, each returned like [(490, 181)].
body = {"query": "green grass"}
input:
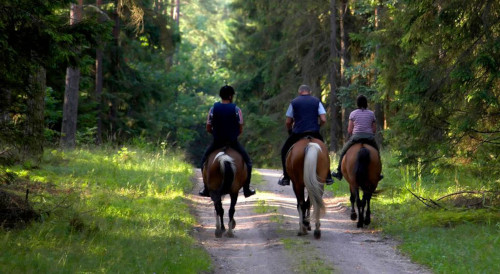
[(110, 211), (305, 259), (452, 239)]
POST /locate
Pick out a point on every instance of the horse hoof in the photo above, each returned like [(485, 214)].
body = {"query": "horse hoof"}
[(354, 216), (367, 221), (359, 225), (302, 233), (317, 234), (230, 234), (233, 224), (218, 233)]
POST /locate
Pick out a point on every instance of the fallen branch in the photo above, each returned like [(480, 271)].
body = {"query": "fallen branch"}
[(428, 202), (467, 192)]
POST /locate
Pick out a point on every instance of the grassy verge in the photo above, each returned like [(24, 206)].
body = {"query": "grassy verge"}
[(461, 236), (108, 211)]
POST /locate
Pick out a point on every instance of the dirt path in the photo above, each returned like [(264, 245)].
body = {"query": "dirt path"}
[(266, 242)]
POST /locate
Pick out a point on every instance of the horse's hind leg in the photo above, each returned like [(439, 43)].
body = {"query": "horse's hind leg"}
[(307, 217), (361, 209), (302, 212), (367, 197), (354, 216), (219, 219), (317, 231), (232, 223)]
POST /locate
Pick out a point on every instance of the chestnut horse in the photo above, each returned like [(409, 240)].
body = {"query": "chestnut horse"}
[(361, 167), (308, 164), (224, 173)]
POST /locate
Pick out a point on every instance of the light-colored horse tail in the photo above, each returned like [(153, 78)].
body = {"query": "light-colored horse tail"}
[(313, 185), (227, 169)]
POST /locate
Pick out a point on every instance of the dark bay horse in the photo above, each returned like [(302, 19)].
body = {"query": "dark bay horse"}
[(361, 167), (224, 173), (308, 164)]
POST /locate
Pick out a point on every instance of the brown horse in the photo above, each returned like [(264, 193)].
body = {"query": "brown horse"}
[(224, 173), (308, 164), (361, 167)]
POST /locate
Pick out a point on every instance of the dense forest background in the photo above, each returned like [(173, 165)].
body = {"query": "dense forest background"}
[(127, 71)]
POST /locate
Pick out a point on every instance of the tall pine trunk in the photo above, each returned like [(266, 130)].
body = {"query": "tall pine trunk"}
[(344, 61), (71, 93), (98, 88), (32, 147), (379, 107), (336, 127)]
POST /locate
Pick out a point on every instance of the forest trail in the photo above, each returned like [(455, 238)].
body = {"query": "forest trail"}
[(266, 238)]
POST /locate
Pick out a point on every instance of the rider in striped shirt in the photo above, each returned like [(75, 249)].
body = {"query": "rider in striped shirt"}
[(362, 129)]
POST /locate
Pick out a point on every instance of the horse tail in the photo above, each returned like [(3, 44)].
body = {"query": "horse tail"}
[(227, 169), (313, 185), (361, 168)]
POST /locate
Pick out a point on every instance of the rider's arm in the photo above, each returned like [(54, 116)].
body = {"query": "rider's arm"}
[(350, 127), (239, 114), (289, 119), (322, 119), (289, 123), (209, 121), (322, 114)]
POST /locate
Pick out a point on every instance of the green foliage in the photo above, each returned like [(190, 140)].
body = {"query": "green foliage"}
[(106, 211), (438, 63), (440, 238)]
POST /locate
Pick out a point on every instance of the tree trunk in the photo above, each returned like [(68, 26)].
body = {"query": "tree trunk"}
[(35, 125), (177, 11), (379, 107), (70, 106), (344, 62), (98, 88), (5, 104), (334, 108)]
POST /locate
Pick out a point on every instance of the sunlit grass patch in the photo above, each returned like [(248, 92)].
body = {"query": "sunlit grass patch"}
[(449, 237), (116, 211)]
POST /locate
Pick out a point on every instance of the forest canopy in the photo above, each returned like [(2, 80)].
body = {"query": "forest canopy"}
[(148, 71)]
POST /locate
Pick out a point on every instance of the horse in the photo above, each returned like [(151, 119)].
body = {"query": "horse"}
[(308, 164), (361, 168), (224, 173)]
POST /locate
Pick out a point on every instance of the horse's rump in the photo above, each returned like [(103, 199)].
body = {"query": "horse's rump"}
[(367, 170), (295, 159), (224, 161)]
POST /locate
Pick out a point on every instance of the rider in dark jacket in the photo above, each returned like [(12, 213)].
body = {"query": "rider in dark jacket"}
[(225, 123)]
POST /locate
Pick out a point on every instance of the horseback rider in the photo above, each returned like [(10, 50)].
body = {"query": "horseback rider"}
[(301, 121), (225, 123), (362, 128)]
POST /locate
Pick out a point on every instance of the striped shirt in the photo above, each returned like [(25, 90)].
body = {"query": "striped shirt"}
[(363, 120)]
